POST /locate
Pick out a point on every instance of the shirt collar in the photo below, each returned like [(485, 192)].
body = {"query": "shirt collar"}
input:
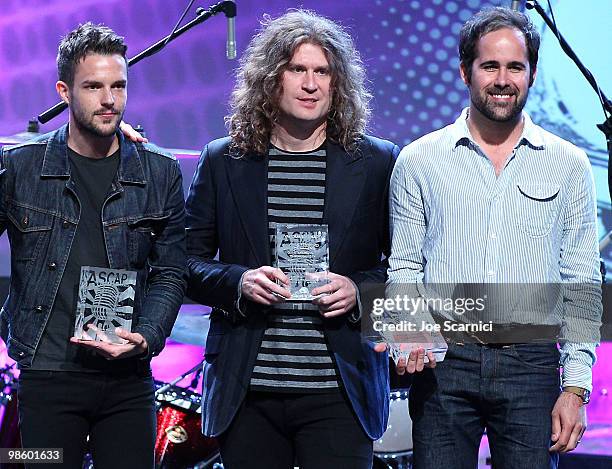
[(532, 134)]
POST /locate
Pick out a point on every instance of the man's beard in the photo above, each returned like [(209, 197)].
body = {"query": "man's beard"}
[(86, 122), (499, 112)]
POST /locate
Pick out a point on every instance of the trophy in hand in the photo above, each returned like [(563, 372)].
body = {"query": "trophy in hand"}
[(302, 253)]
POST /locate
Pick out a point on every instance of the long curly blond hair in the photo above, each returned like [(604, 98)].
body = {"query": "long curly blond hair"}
[(254, 100)]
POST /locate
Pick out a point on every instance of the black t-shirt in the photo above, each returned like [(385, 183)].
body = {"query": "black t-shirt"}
[(92, 181)]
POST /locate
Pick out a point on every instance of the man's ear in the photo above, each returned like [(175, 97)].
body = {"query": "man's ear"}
[(464, 74), (63, 90), (532, 78)]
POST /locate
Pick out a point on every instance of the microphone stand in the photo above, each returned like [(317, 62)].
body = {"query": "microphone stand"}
[(606, 126), (228, 7), (165, 387)]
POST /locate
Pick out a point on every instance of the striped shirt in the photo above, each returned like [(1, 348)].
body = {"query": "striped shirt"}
[(453, 220), (294, 355)]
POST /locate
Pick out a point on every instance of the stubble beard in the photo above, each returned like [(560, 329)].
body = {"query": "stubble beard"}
[(85, 122), (499, 112)]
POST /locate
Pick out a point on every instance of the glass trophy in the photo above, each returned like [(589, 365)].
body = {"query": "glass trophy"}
[(302, 253), (105, 302), (408, 324), (400, 347)]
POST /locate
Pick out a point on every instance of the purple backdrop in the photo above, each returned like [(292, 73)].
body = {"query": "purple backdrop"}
[(180, 95), (409, 47)]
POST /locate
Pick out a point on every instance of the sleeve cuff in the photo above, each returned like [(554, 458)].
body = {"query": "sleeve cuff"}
[(355, 315), (153, 344), (240, 307), (577, 361)]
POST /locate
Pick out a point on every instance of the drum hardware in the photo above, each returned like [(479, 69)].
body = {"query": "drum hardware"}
[(179, 443), (394, 449), (167, 386), (9, 429)]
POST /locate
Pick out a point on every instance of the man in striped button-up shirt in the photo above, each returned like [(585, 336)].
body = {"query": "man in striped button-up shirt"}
[(493, 198)]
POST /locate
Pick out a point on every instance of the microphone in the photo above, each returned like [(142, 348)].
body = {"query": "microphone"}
[(230, 47), (230, 13), (516, 5)]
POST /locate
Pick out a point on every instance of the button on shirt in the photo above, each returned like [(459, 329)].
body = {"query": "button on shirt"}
[(453, 220)]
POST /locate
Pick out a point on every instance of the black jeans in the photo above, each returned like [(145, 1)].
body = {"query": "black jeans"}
[(59, 409), (273, 430)]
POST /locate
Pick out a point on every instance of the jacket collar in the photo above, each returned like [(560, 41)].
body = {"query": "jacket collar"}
[(55, 162), (344, 180)]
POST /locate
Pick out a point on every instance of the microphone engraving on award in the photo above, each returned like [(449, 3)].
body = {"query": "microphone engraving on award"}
[(105, 302)]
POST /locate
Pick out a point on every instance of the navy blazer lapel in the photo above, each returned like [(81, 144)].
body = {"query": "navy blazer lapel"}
[(344, 179), (248, 179)]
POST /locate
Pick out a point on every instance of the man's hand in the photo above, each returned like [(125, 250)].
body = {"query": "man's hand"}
[(339, 296), (137, 345), (415, 361), (569, 422), (131, 134), (259, 285)]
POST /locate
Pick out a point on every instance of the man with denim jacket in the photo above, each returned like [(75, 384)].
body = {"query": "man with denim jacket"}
[(85, 197)]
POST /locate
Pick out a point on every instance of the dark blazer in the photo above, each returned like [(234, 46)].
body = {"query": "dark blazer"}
[(227, 213)]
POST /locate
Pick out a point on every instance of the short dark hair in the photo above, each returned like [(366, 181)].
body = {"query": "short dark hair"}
[(494, 19), (87, 39)]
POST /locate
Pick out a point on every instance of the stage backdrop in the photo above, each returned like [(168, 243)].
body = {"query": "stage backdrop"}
[(409, 47)]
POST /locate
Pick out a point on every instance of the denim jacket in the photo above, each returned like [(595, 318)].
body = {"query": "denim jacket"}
[(142, 221)]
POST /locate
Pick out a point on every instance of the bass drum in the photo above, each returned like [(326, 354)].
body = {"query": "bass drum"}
[(180, 443), (394, 449)]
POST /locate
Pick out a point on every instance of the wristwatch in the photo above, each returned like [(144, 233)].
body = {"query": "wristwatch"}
[(582, 393)]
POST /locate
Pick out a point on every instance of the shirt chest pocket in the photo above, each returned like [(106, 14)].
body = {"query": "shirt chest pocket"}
[(537, 207)]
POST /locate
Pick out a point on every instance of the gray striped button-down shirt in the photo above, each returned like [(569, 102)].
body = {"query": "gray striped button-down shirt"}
[(453, 220)]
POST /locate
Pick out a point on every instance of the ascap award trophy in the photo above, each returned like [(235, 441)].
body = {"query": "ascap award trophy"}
[(302, 253), (106, 301)]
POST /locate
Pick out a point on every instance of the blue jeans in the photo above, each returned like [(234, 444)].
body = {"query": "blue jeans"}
[(508, 390)]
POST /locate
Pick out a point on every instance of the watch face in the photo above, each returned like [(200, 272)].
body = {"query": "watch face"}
[(586, 397)]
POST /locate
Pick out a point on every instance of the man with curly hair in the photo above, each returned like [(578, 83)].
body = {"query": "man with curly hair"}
[(279, 374)]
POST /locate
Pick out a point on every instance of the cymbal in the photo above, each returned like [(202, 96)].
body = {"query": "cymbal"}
[(32, 131), (21, 137)]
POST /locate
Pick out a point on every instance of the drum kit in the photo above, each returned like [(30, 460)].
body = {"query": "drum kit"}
[(394, 449), (180, 443)]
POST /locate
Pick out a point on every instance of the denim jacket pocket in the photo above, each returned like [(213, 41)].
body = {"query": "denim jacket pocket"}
[(33, 226), (537, 206), (142, 232)]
